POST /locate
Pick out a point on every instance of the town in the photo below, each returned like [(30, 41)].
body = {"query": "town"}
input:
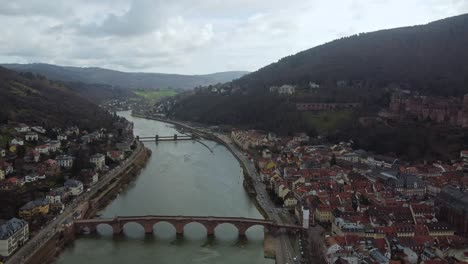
[(44, 171), (373, 208)]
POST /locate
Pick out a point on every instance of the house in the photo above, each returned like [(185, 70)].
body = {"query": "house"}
[(38, 129), (75, 187), (89, 177), (65, 161), (62, 137), (53, 145), (42, 149), (99, 160), (32, 156), (13, 234), (34, 208), (323, 213), (17, 141), (440, 229), (58, 195), (31, 136), (116, 155), (22, 128), (286, 89), (33, 177), (6, 167)]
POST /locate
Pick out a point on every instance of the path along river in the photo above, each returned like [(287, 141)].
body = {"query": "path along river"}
[(181, 178)]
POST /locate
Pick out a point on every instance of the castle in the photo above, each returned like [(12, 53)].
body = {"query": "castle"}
[(451, 111)]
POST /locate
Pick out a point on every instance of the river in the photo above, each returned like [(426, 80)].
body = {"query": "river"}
[(181, 178)]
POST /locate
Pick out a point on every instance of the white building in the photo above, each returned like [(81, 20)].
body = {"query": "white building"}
[(17, 141), (13, 234), (31, 136), (99, 160), (22, 128), (57, 195), (286, 89), (62, 137), (65, 161), (75, 187)]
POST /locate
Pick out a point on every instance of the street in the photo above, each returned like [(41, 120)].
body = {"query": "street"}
[(49, 230), (286, 252)]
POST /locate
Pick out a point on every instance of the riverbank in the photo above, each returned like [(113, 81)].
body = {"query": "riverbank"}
[(249, 176), (101, 195), (278, 248)]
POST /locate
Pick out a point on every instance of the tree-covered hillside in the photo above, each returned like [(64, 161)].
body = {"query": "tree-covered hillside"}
[(34, 100), (432, 59)]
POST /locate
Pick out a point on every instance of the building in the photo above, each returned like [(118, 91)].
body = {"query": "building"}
[(452, 203), (286, 89), (99, 160), (17, 141), (58, 195), (42, 149), (34, 208), (451, 111), (13, 234), (22, 128), (115, 155), (409, 185), (75, 187), (65, 161), (31, 136)]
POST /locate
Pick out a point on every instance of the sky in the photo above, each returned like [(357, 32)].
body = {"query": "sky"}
[(194, 36)]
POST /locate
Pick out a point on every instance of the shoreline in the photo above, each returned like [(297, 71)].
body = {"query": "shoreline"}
[(248, 178), (53, 247)]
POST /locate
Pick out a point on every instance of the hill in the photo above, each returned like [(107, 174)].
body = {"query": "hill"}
[(37, 101), (430, 58), (124, 79)]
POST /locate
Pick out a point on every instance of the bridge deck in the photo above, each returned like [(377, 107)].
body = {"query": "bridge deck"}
[(185, 218)]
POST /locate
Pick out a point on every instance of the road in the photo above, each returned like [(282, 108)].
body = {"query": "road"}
[(49, 230), (286, 252)]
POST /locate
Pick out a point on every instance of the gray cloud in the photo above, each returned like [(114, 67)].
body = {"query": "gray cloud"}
[(193, 36)]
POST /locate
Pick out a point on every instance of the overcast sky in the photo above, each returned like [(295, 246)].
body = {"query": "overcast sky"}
[(194, 36)]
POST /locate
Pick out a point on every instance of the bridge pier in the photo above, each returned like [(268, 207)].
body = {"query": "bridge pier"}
[(117, 228), (175, 137), (148, 228), (156, 138), (210, 230), (242, 230)]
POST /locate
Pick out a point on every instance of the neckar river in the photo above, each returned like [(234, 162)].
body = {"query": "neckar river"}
[(181, 178)]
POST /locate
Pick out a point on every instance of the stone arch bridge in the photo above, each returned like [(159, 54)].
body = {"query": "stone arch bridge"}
[(210, 223)]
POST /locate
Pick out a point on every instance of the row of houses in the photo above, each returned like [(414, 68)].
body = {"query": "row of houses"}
[(376, 208)]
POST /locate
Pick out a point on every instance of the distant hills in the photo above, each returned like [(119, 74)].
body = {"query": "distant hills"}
[(129, 80), (430, 58), (37, 101)]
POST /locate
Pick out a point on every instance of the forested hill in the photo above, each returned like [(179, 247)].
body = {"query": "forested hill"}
[(431, 58), (131, 80), (34, 100)]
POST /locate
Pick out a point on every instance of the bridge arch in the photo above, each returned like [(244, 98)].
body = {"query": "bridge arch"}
[(164, 229), (226, 230), (103, 229), (133, 229), (255, 232), (196, 229)]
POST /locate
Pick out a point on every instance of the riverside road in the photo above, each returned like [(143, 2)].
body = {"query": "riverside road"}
[(50, 229)]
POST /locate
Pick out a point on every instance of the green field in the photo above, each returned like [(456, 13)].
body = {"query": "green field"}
[(327, 121), (155, 95)]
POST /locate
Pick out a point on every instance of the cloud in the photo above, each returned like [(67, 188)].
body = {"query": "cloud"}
[(194, 36), (143, 16)]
